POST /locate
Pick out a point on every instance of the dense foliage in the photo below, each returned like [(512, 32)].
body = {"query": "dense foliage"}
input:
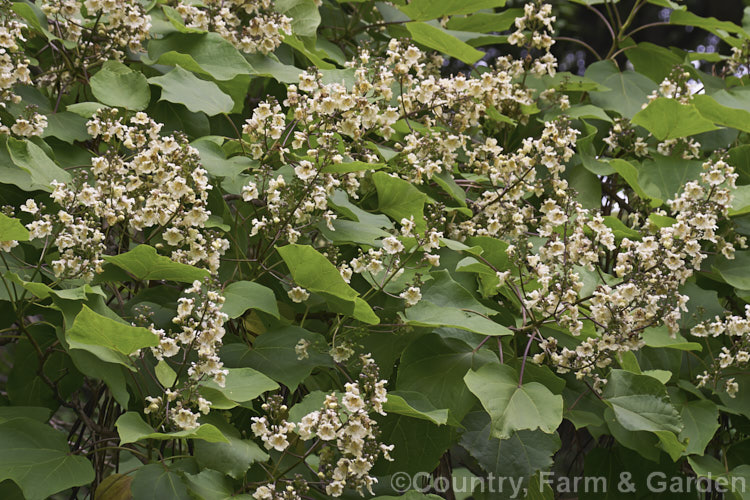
[(300, 248)]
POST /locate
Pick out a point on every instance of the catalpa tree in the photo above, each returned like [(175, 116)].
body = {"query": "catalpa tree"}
[(302, 248)]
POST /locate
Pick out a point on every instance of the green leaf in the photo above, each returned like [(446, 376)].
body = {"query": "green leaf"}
[(435, 367), (164, 373), (183, 87), (588, 153), (203, 53), (85, 109), (118, 85), (521, 455), (114, 487), (157, 482), (111, 374), (340, 202), (641, 403), (740, 201), (513, 408), (701, 420), (351, 166), (446, 303), (424, 10), (131, 429), (66, 126), (243, 295), (736, 272), (143, 263), (619, 229), (315, 56), (176, 20), (629, 173), (347, 231), (90, 328), (663, 177), (304, 14), (312, 271), (427, 314), (438, 39), (659, 337), (399, 199), (215, 161), (710, 24), (274, 355), (483, 22), (629, 89), (38, 413), (210, 485), (722, 115), (652, 60), (669, 119), (242, 385), (418, 444), (37, 170), (416, 405), (233, 458), (37, 458), (12, 229)]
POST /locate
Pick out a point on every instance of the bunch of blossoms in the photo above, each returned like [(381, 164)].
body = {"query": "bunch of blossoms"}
[(100, 30), (676, 86), (250, 25), (500, 209), (650, 272), (342, 430), (737, 355), (199, 328), (738, 63), (623, 137), (318, 110), (296, 201), (144, 186), (14, 70), (458, 105), (387, 263), (534, 32)]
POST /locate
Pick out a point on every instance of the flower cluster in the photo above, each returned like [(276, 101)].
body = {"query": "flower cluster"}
[(273, 428), (144, 187), (342, 428), (14, 65), (648, 272), (250, 25), (679, 86), (99, 30), (14, 70), (737, 355), (534, 31), (199, 329)]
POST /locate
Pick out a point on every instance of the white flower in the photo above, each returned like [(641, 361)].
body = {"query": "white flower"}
[(412, 295), (305, 170), (301, 349), (250, 192), (298, 294), (30, 206), (392, 245)]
